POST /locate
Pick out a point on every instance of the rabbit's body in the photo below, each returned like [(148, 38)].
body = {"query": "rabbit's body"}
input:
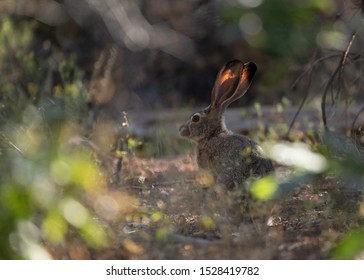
[(230, 157)]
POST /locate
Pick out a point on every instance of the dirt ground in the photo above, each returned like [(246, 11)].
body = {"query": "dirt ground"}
[(178, 218), (190, 221)]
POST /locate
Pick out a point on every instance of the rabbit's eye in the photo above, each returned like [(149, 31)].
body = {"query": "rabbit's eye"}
[(195, 118)]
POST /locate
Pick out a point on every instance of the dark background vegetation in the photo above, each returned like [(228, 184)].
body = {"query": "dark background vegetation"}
[(79, 177)]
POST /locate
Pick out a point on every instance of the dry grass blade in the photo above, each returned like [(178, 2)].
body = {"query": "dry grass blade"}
[(11, 144)]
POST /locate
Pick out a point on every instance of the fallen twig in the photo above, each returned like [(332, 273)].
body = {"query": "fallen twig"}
[(178, 238)]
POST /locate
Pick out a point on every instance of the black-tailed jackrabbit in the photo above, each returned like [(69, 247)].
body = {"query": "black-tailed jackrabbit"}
[(230, 157)]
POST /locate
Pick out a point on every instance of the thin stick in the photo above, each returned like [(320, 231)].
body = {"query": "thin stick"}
[(309, 68), (301, 105), (329, 83)]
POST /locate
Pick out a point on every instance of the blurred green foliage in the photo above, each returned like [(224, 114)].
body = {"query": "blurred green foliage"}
[(265, 188), (349, 245), (288, 27), (283, 31), (44, 183)]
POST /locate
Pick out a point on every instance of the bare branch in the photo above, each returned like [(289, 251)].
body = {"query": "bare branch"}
[(309, 68), (331, 80), (302, 103)]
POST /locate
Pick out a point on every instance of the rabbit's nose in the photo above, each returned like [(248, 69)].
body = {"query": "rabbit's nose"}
[(183, 130)]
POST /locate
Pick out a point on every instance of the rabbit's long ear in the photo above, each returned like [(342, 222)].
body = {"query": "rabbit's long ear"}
[(231, 83)]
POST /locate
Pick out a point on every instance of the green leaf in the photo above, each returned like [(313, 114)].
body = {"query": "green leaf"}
[(94, 234), (54, 227), (207, 222), (264, 188), (161, 234), (349, 245)]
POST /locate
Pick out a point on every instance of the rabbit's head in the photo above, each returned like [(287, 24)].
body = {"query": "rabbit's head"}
[(231, 83)]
